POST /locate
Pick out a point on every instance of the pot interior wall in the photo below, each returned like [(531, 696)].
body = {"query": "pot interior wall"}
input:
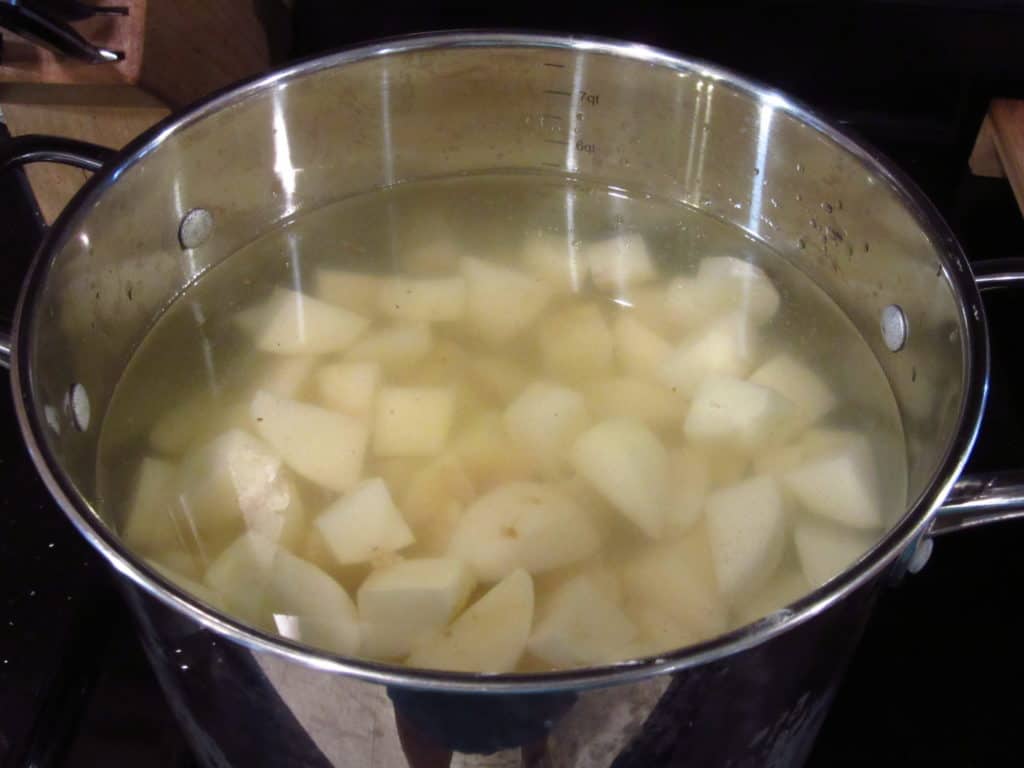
[(296, 143)]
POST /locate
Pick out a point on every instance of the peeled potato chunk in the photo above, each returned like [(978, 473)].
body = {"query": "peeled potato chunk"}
[(826, 550), (285, 376), (619, 261), (154, 520), (364, 524), (798, 383), (522, 525), (240, 574), (490, 455), (580, 627), (812, 444), (490, 636), (296, 324), (546, 418), (195, 588), (232, 478), (309, 606), (498, 377), (324, 446), (676, 581), (576, 343), (727, 347), (746, 284), (355, 291), (690, 481), (632, 398), (404, 603), (639, 350), (501, 302), (412, 421), (747, 532), (426, 299), (348, 387), (628, 465), (734, 413), (395, 348), (841, 486)]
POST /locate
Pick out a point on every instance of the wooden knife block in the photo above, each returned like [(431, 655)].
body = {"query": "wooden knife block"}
[(176, 51), (999, 149)]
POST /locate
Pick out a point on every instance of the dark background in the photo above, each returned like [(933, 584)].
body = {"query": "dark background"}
[(936, 680)]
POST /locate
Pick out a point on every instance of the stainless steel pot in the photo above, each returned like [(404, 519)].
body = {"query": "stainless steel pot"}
[(191, 191)]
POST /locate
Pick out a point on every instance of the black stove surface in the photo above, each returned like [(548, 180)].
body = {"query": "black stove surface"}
[(934, 682)]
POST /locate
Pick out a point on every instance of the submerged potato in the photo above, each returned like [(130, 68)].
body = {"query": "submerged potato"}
[(526, 425)]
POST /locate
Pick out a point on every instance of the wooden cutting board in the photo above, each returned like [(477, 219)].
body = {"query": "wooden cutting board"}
[(176, 51), (999, 149)]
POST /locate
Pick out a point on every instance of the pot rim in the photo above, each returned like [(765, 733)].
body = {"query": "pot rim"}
[(899, 539)]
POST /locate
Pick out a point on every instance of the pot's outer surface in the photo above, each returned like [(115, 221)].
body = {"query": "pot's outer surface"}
[(433, 106)]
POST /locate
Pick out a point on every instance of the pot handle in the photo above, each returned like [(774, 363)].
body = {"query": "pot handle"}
[(32, 148), (983, 498)]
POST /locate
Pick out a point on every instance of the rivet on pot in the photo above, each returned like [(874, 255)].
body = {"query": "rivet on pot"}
[(195, 228), (894, 327), (81, 411)]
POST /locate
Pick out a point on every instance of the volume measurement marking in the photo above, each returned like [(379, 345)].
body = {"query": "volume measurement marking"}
[(556, 66)]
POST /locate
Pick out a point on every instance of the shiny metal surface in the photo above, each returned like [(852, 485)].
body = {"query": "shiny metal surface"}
[(32, 148), (612, 113), (981, 499)]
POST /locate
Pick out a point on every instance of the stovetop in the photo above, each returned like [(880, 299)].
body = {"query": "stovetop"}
[(934, 682)]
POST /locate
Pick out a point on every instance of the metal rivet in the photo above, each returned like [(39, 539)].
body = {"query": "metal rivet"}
[(80, 408), (894, 327), (922, 552), (195, 228)]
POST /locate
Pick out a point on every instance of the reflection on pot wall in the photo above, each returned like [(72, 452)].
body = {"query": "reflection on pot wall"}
[(300, 143), (760, 708)]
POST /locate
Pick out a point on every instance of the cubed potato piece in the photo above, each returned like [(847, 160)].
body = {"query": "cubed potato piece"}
[(285, 376), (297, 324), (522, 525), (397, 473), (232, 478), (726, 347), (186, 582), (321, 445), (783, 589), (825, 550), (580, 626), (690, 305), (490, 455), (676, 581), (737, 414), (546, 419), (434, 487), (841, 485), (603, 577), (648, 304), (309, 606), (285, 526), (355, 291), (811, 445), (619, 262), (501, 302), (629, 466), (754, 293), (498, 377), (396, 348), (446, 365), (364, 524), (576, 343), (154, 520), (639, 350), (180, 560), (240, 574), (747, 532), (412, 421), (799, 384), (633, 398), (490, 636), (423, 299), (689, 484), (555, 260), (400, 606), (348, 387)]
